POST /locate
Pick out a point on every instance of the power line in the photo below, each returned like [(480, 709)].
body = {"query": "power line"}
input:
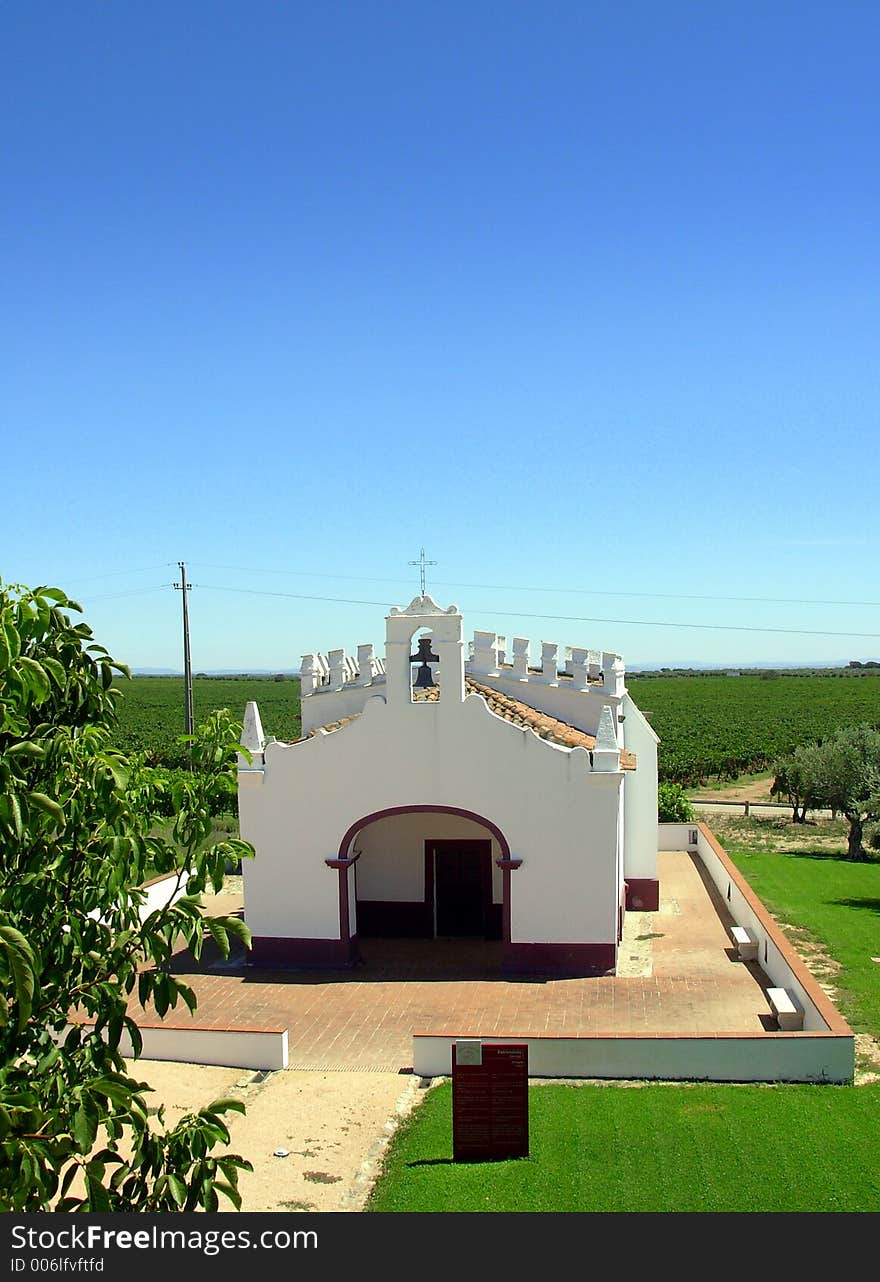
[(115, 596), (115, 574), (519, 587), (560, 618)]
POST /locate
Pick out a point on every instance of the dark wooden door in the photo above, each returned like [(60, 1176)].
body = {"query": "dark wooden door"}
[(462, 886)]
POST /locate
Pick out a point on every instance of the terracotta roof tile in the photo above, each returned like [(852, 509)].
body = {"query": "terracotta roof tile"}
[(520, 714), (512, 710)]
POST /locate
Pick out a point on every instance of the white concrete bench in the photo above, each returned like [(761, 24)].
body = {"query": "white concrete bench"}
[(789, 1015), (746, 943)]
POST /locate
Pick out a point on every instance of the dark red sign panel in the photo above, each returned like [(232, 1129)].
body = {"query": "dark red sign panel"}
[(490, 1101)]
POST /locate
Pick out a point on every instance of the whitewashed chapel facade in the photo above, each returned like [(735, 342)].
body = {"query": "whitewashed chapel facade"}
[(435, 794)]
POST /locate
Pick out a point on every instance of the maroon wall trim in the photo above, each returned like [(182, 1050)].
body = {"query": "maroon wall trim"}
[(282, 953), (342, 866), (506, 865), (642, 894), (559, 959)]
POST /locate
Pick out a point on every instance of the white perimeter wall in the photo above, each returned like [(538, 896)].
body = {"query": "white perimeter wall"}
[(264, 1048), (771, 958), (768, 1057), (392, 862), (559, 817), (640, 795)]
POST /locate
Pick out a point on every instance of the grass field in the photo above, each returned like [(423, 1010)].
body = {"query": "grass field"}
[(708, 726), (151, 713), (835, 905), (652, 1148), (675, 1147)]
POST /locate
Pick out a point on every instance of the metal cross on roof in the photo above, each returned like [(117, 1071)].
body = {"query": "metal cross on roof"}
[(421, 563)]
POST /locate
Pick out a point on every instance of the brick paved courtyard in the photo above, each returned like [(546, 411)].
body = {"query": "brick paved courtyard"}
[(679, 976)]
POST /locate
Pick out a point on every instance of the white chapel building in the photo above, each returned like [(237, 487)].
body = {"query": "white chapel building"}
[(441, 793)]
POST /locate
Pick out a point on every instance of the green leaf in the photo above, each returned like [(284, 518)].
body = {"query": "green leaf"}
[(117, 770), (22, 965), (134, 1033), (42, 802), (177, 1189), (99, 1198), (229, 1191), (235, 926), (56, 671), (26, 748), (226, 1104), (85, 1127), (14, 810), (218, 933), (117, 1089), (36, 677)]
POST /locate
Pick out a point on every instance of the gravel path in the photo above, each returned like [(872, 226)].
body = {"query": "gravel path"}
[(333, 1128)]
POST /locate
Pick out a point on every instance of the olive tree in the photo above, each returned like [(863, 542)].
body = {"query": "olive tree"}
[(841, 773), (78, 836)]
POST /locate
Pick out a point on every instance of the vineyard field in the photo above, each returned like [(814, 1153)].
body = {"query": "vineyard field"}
[(722, 726), (709, 726), (151, 715)]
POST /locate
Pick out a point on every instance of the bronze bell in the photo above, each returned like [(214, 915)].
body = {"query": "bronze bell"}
[(424, 677)]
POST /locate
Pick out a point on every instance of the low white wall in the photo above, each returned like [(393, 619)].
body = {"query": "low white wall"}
[(264, 1048), (232, 1048), (677, 836), (771, 958), (162, 891), (769, 1057), (776, 956)]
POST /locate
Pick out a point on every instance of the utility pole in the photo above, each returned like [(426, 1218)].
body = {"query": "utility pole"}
[(185, 588)]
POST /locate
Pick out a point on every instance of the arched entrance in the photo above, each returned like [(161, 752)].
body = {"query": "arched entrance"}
[(429, 872)]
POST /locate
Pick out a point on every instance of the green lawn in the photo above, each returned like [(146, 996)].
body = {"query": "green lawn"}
[(677, 1147), (653, 1148), (838, 904)]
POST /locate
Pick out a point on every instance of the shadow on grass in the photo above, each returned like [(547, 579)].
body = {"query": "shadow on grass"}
[(465, 1161), (835, 855), (872, 905)]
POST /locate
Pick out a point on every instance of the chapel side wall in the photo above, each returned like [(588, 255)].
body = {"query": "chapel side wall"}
[(289, 892), (558, 817), (640, 797)]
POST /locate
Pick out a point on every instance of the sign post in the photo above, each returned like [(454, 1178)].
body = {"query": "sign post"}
[(490, 1100)]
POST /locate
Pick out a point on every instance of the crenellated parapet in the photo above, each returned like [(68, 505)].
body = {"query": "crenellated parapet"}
[(568, 667), (336, 669)]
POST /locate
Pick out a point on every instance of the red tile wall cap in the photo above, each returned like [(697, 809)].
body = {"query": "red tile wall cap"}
[(823, 1003), (187, 1028)]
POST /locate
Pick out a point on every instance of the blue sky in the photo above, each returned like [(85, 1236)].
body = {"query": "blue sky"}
[(581, 296)]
